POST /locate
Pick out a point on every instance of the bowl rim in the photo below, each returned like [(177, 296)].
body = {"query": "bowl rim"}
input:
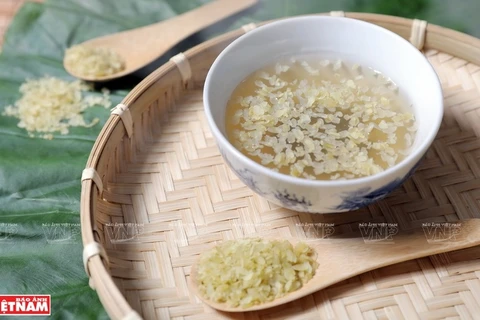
[(406, 163)]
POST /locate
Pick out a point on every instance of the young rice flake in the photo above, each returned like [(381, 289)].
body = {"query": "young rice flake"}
[(246, 272), (320, 119), (93, 62), (50, 105)]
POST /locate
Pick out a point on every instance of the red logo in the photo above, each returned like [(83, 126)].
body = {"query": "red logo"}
[(28, 304)]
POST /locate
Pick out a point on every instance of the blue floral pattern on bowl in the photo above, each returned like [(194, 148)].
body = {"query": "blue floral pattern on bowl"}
[(364, 197), (292, 201), (285, 198), (245, 175)]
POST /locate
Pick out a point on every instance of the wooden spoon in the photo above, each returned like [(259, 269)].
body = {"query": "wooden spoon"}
[(140, 46), (340, 259)]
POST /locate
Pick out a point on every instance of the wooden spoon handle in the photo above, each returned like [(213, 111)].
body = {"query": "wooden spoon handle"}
[(197, 19), (381, 245)]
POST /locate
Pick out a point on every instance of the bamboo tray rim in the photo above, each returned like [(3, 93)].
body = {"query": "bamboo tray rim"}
[(456, 43)]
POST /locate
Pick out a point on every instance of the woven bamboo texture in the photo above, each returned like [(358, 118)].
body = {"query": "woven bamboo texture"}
[(170, 184), (169, 181)]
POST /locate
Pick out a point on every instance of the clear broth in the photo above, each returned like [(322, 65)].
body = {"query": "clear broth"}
[(372, 88)]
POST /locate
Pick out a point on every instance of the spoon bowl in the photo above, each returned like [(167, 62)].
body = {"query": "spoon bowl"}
[(340, 259), (141, 46)]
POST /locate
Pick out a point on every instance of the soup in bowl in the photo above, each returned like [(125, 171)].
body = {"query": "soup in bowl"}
[(322, 114)]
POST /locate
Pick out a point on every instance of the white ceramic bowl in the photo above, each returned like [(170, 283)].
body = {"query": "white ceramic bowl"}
[(367, 45)]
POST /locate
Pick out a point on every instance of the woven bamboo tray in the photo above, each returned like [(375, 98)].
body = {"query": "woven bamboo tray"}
[(156, 193)]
